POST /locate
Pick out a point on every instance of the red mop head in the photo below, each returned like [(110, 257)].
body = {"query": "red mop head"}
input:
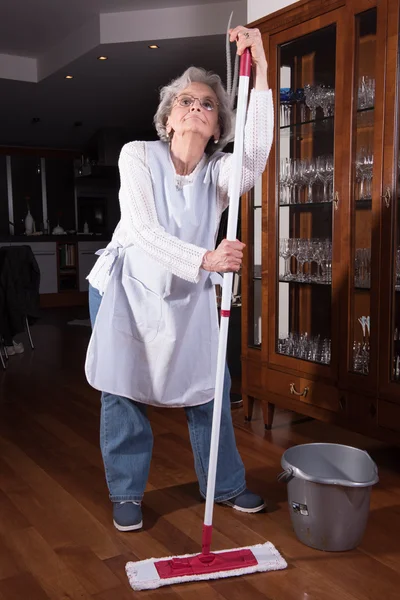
[(200, 564), (150, 574)]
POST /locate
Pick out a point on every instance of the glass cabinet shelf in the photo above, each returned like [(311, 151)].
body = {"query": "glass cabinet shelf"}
[(301, 282), (304, 131), (316, 122), (307, 205), (324, 125), (360, 288)]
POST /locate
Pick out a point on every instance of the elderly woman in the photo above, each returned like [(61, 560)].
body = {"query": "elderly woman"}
[(152, 296)]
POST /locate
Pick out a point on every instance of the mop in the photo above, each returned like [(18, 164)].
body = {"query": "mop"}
[(153, 573)]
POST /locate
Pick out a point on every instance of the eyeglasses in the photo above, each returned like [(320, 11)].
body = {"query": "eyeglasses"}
[(187, 101)]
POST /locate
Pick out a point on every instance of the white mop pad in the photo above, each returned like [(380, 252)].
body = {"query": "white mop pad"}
[(143, 575)]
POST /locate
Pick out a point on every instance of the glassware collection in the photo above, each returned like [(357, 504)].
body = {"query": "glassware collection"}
[(305, 347), (311, 97), (396, 355), (361, 350), (362, 268), (306, 181), (306, 252), (364, 171), (306, 187), (366, 93)]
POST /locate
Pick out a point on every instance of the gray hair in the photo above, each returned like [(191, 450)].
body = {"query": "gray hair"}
[(225, 113)]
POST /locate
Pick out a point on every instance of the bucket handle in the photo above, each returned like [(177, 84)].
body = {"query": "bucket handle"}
[(286, 475)]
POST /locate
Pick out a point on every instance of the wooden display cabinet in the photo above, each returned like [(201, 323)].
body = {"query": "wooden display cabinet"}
[(321, 277)]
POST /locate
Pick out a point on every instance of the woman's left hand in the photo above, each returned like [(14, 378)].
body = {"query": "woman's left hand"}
[(249, 38)]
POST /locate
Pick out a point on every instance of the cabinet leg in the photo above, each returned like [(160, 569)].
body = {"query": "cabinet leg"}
[(268, 412), (248, 405)]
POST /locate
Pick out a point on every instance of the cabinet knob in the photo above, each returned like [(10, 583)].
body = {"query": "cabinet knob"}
[(387, 197), (296, 393), (336, 200)]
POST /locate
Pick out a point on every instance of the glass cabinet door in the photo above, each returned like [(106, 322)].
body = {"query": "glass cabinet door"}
[(256, 333), (252, 229), (306, 196), (389, 359), (394, 367), (361, 203), (395, 291)]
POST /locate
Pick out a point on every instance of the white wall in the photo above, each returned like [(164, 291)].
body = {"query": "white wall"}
[(256, 9), (20, 68)]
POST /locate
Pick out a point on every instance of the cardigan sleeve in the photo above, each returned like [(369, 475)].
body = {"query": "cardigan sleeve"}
[(139, 218), (258, 136)]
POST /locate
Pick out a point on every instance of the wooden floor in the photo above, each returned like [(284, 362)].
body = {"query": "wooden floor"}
[(57, 540)]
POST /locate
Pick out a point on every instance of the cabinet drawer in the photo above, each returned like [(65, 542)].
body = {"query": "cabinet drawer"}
[(389, 415), (302, 389)]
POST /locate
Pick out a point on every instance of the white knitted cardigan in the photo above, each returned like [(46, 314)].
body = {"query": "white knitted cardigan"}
[(139, 225)]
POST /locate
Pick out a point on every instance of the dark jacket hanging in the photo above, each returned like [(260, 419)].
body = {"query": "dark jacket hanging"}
[(19, 289)]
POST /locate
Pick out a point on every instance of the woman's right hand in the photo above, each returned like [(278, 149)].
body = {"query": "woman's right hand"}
[(224, 259)]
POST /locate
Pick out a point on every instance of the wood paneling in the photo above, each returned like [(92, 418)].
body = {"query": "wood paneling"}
[(389, 415), (298, 12)]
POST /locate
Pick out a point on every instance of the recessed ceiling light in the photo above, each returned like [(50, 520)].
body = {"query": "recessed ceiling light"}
[(154, 46), (102, 58), (69, 77)]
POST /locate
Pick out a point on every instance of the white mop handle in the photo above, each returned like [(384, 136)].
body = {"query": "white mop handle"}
[(234, 199)]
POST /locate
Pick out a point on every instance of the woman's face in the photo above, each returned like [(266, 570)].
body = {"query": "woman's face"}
[(193, 117)]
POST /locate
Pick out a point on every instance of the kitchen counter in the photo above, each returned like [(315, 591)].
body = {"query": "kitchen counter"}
[(64, 262)]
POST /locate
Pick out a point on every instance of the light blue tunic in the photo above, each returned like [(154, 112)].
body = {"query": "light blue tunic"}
[(156, 335)]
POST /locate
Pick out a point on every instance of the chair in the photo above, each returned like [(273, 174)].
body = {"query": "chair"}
[(3, 354)]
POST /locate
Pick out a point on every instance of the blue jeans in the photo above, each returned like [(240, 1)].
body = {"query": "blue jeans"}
[(126, 441)]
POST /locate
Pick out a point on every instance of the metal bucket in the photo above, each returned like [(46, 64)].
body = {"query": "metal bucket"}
[(329, 488)]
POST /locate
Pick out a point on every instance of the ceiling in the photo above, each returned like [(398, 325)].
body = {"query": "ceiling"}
[(119, 92), (30, 27), (112, 93)]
